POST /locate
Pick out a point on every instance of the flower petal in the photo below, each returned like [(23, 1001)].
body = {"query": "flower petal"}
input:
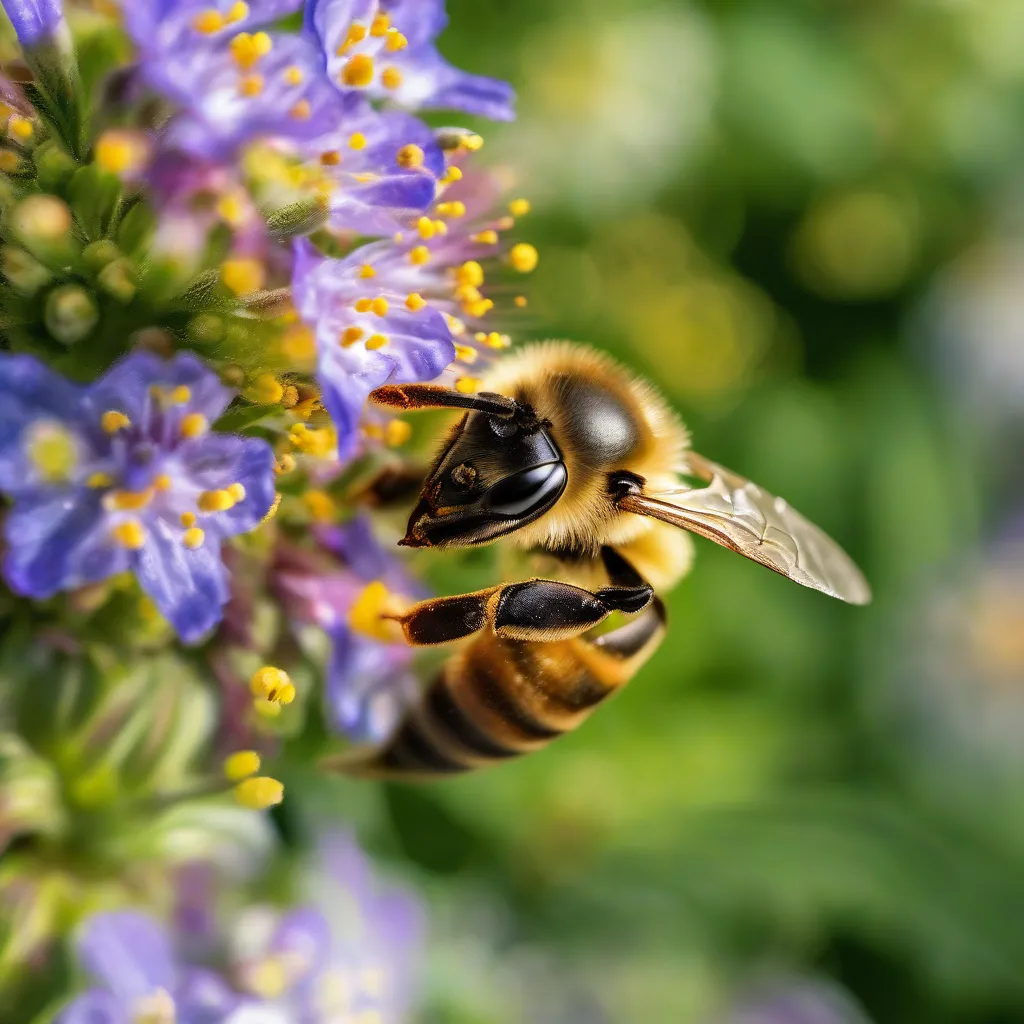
[(129, 953), (305, 934), (203, 997), (95, 1007)]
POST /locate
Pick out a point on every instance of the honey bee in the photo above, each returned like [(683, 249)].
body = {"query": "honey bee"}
[(568, 455)]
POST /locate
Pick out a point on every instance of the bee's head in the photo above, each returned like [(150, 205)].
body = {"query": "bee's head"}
[(496, 473)]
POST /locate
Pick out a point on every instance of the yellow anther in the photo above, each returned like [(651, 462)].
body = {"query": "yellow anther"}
[(451, 210), (208, 21), (194, 424), (259, 792), (112, 421), (380, 306), (419, 255), (488, 237), (519, 207), (467, 294), (367, 614), (366, 271), (391, 78), (266, 389), (180, 395), (410, 157), (320, 506), (380, 24), (20, 127), (248, 48), (98, 480), (330, 158), (523, 257), (466, 354), (318, 443), (356, 34), (129, 534), (395, 41), (238, 12), (215, 501), (521, 301), (363, 305), (357, 140), (467, 385), (193, 538), (162, 482), (273, 684), (479, 308), (251, 85), (440, 227), (52, 450), (241, 765), (473, 142), (414, 302), (243, 276), (397, 432), (376, 341), (452, 174), (237, 491), (351, 335), (293, 75), (470, 273), (425, 227), (358, 71), (187, 519), (285, 464), (306, 408), (131, 501), (301, 111)]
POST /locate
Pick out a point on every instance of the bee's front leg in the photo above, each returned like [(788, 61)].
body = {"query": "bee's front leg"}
[(538, 609)]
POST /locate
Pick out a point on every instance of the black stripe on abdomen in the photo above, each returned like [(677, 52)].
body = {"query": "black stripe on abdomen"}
[(449, 717), (411, 751), (498, 699)]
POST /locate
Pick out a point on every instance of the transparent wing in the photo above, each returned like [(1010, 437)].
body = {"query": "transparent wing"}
[(741, 516)]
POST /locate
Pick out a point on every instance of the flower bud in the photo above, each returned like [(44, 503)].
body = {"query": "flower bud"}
[(70, 313), (117, 280), (300, 218), (22, 271), (54, 165)]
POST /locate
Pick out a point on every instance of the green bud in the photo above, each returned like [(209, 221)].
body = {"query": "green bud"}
[(301, 218), (205, 291), (118, 280), (22, 271), (70, 313), (54, 165), (99, 254), (206, 328), (272, 302), (14, 164)]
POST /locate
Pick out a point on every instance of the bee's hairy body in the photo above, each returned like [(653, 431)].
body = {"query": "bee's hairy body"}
[(563, 454)]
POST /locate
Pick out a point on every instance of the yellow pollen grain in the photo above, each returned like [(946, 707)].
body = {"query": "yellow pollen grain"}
[(466, 354), (215, 501), (356, 34), (414, 302), (410, 157), (237, 491), (293, 75), (241, 765), (193, 538), (488, 237), (519, 207), (467, 385), (395, 41), (480, 308), (363, 305), (273, 684), (259, 792), (380, 306), (376, 341), (239, 12), (129, 534), (521, 301), (320, 506), (251, 85), (419, 255), (112, 421), (357, 140), (425, 227), (209, 21), (379, 26), (194, 424), (187, 519), (20, 127), (451, 210), (391, 78), (351, 335), (266, 389), (301, 111), (97, 480), (247, 49), (470, 273), (366, 271), (397, 432), (243, 276), (523, 257), (330, 158), (358, 71)]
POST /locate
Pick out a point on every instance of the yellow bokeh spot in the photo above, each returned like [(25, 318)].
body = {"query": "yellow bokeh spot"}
[(301, 111), (351, 335), (466, 354), (519, 207), (467, 385), (131, 501), (266, 389), (208, 21), (187, 519), (523, 257), (259, 792), (238, 11), (293, 75), (397, 432), (251, 85), (320, 506), (487, 237), (20, 127), (243, 276), (241, 765), (470, 274), (391, 78), (52, 450), (357, 140), (98, 480)]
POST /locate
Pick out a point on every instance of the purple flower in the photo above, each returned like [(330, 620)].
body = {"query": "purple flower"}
[(232, 82), (368, 332), (124, 474), (796, 1002), (130, 958), (382, 168), (34, 20), (385, 48)]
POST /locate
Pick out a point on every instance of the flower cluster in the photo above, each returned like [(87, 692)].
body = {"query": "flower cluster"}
[(222, 225)]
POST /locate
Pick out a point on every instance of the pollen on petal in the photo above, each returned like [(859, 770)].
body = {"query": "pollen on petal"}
[(293, 75), (379, 26), (187, 519), (356, 34), (351, 335), (414, 302), (52, 450), (371, 613), (301, 111), (363, 305), (194, 424), (376, 341), (248, 48), (215, 501), (380, 306), (395, 41), (358, 71), (470, 273), (419, 255), (410, 157), (357, 140), (193, 538)]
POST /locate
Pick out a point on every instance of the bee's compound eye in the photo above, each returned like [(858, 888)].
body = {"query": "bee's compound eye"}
[(527, 492)]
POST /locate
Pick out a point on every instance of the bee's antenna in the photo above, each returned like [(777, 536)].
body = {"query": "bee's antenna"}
[(433, 396)]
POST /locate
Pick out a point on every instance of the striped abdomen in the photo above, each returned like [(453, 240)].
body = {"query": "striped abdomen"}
[(499, 698)]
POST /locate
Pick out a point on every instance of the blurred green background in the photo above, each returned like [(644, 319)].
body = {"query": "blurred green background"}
[(803, 221)]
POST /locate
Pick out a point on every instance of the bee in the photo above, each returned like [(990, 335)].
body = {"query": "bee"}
[(568, 455)]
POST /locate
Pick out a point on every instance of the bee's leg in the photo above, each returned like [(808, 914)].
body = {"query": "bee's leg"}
[(543, 610)]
